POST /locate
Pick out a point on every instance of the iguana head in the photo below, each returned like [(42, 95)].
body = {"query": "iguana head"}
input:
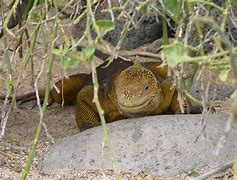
[(137, 91)]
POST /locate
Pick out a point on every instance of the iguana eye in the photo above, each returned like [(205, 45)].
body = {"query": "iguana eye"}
[(147, 87)]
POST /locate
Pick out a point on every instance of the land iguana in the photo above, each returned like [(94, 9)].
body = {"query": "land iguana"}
[(126, 89)]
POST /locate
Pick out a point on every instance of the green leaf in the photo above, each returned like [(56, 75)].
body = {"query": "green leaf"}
[(105, 26), (57, 52), (69, 62), (89, 51), (224, 74), (68, 59), (174, 54), (193, 174), (172, 8), (62, 50)]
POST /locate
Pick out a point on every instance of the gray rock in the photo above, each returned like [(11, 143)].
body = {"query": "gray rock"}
[(148, 27), (148, 30), (162, 145), (216, 91)]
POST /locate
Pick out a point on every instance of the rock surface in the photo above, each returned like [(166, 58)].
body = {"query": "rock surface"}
[(216, 91), (161, 145), (145, 28)]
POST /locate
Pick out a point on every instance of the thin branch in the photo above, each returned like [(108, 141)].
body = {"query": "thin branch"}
[(10, 85), (91, 20), (140, 53), (44, 107), (110, 10), (214, 171), (9, 15), (207, 3)]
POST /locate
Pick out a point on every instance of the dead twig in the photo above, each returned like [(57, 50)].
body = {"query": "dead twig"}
[(140, 53), (214, 171), (45, 104), (91, 21)]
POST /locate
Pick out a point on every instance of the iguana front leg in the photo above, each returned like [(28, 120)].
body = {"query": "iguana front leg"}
[(168, 99), (86, 112)]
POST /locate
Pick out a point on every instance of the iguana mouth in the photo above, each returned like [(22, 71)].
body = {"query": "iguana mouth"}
[(136, 108)]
